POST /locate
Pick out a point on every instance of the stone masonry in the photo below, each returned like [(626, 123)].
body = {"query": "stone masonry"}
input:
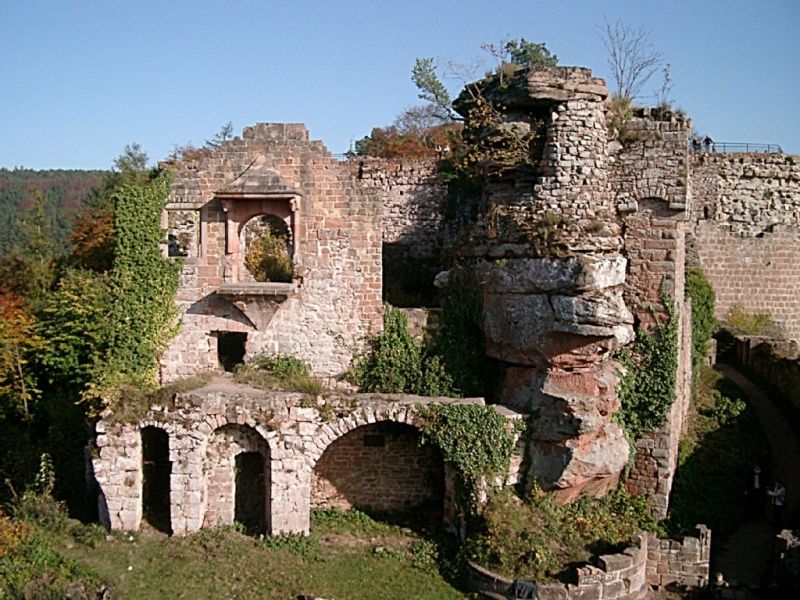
[(653, 193), (336, 234), (649, 562), (746, 232), (317, 453), (413, 197)]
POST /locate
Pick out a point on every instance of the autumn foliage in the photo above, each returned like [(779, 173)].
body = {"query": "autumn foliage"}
[(18, 341)]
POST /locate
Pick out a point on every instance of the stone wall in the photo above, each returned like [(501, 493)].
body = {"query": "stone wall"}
[(652, 191), (776, 362), (679, 563), (209, 427), (746, 232), (648, 563), (335, 296), (380, 467), (413, 197), (761, 274)]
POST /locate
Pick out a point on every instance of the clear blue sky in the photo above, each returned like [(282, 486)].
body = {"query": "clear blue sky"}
[(80, 79)]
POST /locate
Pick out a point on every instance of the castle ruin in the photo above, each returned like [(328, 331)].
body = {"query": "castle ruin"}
[(631, 217)]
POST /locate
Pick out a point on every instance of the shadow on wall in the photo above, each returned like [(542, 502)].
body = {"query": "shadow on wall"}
[(408, 281), (379, 468)]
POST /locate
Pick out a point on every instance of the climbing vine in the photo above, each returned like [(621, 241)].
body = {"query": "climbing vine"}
[(647, 388), (704, 322), (474, 438), (460, 340), (144, 283)]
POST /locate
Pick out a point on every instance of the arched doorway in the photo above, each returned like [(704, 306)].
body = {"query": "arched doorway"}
[(156, 470), (381, 468), (238, 479)]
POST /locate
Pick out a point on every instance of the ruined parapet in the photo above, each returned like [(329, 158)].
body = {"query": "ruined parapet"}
[(220, 201), (649, 562), (548, 245), (745, 232), (414, 202)]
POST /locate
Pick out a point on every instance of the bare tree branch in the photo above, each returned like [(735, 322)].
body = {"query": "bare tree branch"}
[(631, 57)]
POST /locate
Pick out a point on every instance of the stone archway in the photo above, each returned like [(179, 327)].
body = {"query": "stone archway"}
[(379, 467), (238, 478)]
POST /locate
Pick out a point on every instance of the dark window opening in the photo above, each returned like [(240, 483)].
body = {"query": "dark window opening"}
[(156, 469), (408, 280), (231, 349), (251, 497), (374, 441)]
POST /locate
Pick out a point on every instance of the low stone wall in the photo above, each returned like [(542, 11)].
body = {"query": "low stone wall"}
[(774, 361), (679, 563), (648, 563)]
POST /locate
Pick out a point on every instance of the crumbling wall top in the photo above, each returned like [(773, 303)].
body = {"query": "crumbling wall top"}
[(560, 84), (266, 132)]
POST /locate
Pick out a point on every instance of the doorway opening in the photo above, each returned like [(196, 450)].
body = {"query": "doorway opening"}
[(156, 470)]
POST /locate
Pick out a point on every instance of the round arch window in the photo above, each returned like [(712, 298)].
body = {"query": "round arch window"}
[(267, 241)]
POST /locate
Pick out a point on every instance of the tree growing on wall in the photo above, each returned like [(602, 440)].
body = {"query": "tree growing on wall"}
[(631, 57), (143, 288)]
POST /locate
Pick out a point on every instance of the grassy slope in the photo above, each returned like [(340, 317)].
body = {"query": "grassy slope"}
[(339, 560)]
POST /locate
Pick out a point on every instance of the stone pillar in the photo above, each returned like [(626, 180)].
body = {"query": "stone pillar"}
[(118, 471), (290, 507)]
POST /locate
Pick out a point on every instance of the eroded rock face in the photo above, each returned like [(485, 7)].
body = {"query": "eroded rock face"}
[(553, 277)]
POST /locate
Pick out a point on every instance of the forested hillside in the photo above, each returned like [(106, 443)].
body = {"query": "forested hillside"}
[(61, 192)]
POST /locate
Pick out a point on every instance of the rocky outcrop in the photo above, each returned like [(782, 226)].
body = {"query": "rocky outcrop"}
[(553, 277)]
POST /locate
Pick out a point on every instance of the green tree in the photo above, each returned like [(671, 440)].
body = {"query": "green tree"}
[(144, 283), (431, 89), (132, 160), (533, 54), (30, 267), (75, 323), (224, 134)]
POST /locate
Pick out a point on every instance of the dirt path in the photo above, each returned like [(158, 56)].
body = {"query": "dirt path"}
[(744, 557)]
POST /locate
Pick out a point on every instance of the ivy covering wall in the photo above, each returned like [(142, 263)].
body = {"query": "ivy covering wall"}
[(144, 283), (647, 388)]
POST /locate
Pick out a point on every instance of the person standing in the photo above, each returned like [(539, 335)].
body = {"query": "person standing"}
[(778, 495)]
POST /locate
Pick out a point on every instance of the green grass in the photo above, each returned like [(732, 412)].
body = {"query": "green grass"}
[(347, 556)]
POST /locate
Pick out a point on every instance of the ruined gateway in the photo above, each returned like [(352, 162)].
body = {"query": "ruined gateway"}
[(554, 320)]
